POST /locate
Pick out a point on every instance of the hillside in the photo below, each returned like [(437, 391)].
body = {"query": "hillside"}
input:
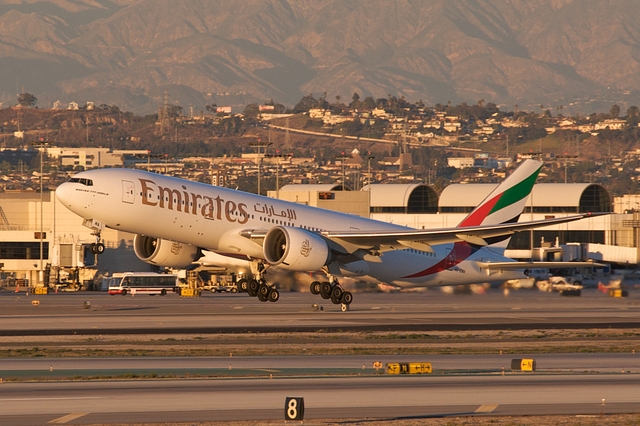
[(578, 55)]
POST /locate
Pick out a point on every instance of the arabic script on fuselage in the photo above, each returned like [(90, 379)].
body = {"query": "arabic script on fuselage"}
[(269, 210)]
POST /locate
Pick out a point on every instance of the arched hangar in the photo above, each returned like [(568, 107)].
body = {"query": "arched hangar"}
[(403, 198), (544, 198)]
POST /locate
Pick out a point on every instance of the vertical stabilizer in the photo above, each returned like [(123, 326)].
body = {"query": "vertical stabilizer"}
[(507, 201)]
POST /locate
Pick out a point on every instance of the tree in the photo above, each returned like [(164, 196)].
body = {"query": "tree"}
[(212, 108), (352, 127), (369, 103), (614, 111), (251, 111), (633, 115), (355, 101), (174, 111), (27, 99), (305, 104)]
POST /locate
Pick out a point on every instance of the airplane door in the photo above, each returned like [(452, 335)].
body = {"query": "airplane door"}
[(127, 192)]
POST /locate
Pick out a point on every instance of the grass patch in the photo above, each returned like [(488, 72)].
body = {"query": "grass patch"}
[(326, 343)]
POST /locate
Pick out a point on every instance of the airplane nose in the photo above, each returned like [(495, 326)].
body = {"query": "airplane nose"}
[(63, 193)]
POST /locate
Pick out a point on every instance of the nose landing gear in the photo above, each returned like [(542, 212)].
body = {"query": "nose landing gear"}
[(96, 230), (97, 248)]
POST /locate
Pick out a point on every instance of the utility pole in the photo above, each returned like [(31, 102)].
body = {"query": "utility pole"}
[(507, 146), (287, 136), (343, 159)]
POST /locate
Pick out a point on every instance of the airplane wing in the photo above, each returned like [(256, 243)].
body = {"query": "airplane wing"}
[(422, 239), (506, 266)]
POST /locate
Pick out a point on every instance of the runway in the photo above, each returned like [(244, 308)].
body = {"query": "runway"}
[(629, 363), (191, 401), (234, 388), (224, 313)]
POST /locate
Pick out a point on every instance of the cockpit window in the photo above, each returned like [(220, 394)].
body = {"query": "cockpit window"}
[(86, 182)]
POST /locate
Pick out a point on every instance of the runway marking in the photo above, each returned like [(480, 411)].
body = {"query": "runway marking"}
[(67, 418), (486, 408), (268, 371)]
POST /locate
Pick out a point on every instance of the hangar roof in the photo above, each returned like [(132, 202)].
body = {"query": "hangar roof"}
[(414, 197), (587, 196)]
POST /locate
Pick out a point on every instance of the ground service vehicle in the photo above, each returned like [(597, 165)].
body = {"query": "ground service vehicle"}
[(224, 283), (143, 283)]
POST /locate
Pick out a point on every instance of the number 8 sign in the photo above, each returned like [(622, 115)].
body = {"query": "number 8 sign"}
[(294, 408)]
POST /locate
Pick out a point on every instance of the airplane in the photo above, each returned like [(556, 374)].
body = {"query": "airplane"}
[(176, 221)]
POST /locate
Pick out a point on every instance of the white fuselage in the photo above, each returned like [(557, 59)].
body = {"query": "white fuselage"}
[(212, 217)]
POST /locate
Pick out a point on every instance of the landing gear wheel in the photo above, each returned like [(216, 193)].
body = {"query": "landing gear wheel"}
[(325, 290), (336, 293), (347, 298), (99, 248), (253, 288), (315, 287), (274, 295), (243, 286), (92, 247), (263, 292), (335, 301)]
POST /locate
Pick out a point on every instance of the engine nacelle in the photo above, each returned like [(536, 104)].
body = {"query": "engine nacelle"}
[(164, 252), (295, 249)]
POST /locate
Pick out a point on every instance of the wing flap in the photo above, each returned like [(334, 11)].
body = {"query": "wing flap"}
[(427, 237), (506, 266)]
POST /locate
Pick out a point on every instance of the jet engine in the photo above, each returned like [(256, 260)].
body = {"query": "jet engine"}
[(295, 249), (165, 252)]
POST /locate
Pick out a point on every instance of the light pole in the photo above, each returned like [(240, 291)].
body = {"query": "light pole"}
[(41, 146), (278, 156), (369, 158), (259, 146)]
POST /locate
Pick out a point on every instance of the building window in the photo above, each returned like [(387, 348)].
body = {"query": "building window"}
[(423, 199), (595, 199), (23, 251)]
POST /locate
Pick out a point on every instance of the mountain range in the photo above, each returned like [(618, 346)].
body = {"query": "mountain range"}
[(573, 56)]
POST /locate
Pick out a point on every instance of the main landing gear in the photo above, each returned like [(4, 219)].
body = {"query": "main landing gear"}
[(258, 286), (332, 290)]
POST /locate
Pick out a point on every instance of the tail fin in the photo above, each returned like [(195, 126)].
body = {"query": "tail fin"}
[(507, 201)]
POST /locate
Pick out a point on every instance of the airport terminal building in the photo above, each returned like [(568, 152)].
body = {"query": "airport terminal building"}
[(29, 222), (610, 238)]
